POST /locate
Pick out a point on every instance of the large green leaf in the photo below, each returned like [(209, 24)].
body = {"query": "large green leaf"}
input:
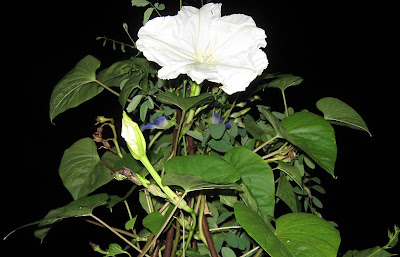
[(191, 182), (76, 87), (184, 103), (340, 113), (305, 234), (77, 208), (261, 232), (81, 170), (256, 175), (209, 168), (296, 234), (81, 207), (315, 136)]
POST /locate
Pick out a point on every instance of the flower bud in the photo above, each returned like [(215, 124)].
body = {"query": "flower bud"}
[(133, 137)]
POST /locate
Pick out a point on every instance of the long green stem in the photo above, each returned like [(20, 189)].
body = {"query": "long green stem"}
[(171, 194), (265, 143)]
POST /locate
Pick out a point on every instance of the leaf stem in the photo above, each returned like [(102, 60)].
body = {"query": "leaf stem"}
[(118, 234), (265, 143), (106, 87), (284, 102)]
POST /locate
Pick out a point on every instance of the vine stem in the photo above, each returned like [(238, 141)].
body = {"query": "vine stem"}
[(171, 194), (118, 234)]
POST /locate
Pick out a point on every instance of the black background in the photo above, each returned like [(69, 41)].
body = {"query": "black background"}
[(350, 52)]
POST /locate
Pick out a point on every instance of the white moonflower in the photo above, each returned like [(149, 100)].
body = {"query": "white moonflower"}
[(206, 46)]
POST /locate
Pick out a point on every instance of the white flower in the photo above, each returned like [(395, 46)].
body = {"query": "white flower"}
[(206, 46)]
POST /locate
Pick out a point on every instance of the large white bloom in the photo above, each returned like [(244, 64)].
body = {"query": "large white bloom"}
[(205, 46)]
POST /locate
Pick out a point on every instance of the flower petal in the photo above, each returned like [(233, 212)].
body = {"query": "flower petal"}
[(205, 46)]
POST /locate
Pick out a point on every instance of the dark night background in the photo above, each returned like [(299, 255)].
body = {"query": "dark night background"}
[(346, 51)]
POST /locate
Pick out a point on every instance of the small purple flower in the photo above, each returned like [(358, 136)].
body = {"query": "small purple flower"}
[(216, 120), (159, 123)]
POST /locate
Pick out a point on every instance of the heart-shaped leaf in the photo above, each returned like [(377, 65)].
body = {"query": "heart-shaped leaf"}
[(81, 170), (76, 87), (305, 234), (315, 136), (296, 234), (340, 113)]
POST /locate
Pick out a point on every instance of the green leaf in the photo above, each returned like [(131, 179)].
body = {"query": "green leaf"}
[(313, 135), (136, 76), (130, 224), (252, 127), (134, 103), (79, 171), (284, 81), (82, 207), (275, 122), (286, 194), (115, 249), (76, 87), (154, 221), (292, 171), (184, 103), (131, 83), (220, 145), (209, 168), (340, 113), (256, 175), (227, 252), (261, 232), (305, 234), (140, 3), (296, 234), (217, 130), (191, 182), (147, 14)]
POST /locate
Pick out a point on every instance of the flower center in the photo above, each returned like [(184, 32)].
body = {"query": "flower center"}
[(206, 58)]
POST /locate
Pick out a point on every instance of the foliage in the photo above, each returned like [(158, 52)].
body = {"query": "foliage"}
[(230, 163)]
